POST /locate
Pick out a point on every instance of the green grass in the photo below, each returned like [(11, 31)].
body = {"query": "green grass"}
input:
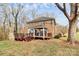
[(65, 38), (53, 47), (37, 47)]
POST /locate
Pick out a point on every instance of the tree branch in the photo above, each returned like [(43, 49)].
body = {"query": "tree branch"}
[(58, 5), (64, 5), (63, 9)]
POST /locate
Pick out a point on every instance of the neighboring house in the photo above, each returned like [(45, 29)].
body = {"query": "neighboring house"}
[(42, 27)]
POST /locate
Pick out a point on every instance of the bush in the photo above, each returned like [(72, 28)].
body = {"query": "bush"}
[(64, 36), (3, 35), (23, 37), (58, 36)]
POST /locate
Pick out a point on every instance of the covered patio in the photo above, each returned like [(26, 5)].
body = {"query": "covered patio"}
[(40, 33)]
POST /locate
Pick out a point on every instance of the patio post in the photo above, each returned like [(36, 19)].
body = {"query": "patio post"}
[(43, 33), (34, 34)]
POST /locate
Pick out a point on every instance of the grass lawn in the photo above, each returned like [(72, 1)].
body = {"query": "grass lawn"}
[(52, 47), (77, 36), (37, 47)]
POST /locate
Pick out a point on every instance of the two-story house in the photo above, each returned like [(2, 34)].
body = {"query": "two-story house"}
[(42, 27)]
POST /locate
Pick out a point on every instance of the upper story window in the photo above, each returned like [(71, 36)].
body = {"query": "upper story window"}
[(41, 23)]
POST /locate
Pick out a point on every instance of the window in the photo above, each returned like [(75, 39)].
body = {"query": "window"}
[(41, 23), (31, 30)]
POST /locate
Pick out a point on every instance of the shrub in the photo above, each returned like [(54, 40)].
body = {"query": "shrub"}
[(58, 36), (23, 37)]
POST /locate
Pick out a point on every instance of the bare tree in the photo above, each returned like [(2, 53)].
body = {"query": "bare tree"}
[(47, 14), (16, 11), (33, 13), (4, 19), (72, 18), (4, 15)]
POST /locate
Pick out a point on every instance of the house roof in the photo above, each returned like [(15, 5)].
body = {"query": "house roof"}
[(39, 19)]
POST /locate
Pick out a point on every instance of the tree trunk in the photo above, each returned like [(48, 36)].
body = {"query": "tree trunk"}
[(72, 32), (4, 26), (16, 29)]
